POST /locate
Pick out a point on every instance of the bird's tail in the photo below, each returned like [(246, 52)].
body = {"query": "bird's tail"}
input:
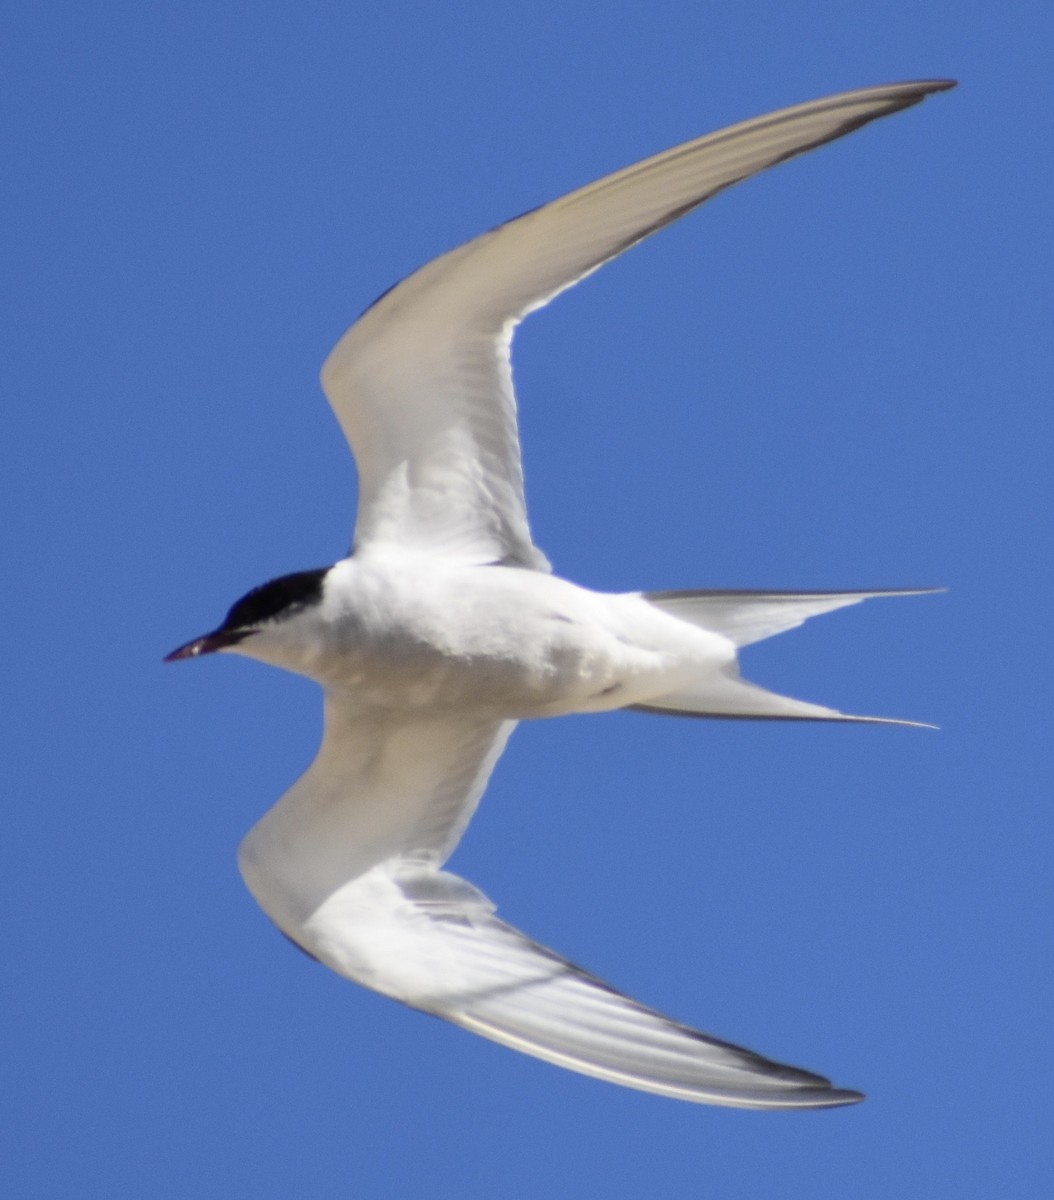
[(744, 618)]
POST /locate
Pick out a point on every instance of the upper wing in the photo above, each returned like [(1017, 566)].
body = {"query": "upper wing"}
[(431, 940), (421, 383)]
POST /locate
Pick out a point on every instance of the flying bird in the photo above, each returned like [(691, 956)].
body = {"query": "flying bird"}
[(444, 626)]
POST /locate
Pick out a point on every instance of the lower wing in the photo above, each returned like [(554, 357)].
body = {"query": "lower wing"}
[(431, 940)]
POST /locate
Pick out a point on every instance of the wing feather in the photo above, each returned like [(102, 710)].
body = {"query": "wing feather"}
[(383, 785), (431, 940), (347, 866), (422, 383)]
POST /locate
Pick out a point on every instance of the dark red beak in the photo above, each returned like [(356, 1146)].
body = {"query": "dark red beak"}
[(208, 644)]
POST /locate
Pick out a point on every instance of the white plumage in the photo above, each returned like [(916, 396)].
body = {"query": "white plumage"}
[(444, 628)]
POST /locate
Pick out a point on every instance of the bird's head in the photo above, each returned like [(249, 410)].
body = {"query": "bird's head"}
[(266, 610)]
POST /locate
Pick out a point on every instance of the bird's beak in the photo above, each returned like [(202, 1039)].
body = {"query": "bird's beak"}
[(209, 644)]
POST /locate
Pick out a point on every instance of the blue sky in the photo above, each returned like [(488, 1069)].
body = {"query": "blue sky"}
[(836, 375)]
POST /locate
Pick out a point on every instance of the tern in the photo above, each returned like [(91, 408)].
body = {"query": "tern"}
[(444, 627)]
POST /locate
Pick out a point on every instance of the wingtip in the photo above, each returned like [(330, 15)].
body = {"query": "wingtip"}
[(840, 1097), (829, 1097), (919, 89)]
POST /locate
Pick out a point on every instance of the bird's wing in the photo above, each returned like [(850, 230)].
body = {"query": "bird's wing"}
[(347, 865), (421, 384), (431, 940), (384, 785)]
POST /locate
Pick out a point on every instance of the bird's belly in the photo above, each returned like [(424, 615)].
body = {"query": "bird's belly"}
[(546, 649), (539, 672)]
